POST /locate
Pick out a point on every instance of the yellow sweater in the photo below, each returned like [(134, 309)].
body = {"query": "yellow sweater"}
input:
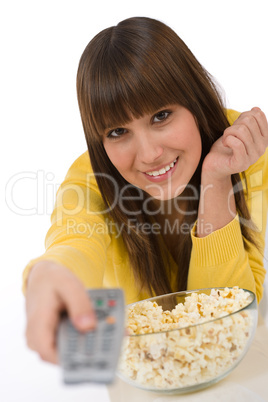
[(81, 238)]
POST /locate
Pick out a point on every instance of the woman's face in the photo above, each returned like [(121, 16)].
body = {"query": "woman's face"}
[(158, 153)]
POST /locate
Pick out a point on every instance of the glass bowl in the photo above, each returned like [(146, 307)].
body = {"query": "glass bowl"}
[(192, 356)]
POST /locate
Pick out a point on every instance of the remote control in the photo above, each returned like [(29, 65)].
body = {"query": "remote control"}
[(93, 356)]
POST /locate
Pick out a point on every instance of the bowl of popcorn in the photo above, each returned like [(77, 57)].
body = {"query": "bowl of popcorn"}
[(185, 341)]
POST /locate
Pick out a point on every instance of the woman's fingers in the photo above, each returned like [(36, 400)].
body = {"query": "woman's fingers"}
[(77, 303), (239, 160), (261, 121), (240, 146), (251, 130), (51, 290), (41, 334)]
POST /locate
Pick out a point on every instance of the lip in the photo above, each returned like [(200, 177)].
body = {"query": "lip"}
[(164, 176)]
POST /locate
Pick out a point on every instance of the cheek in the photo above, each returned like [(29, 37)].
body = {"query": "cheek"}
[(188, 139), (193, 138), (111, 153), (118, 157), (196, 144)]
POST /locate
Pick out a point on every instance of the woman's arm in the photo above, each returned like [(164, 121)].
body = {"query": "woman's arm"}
[(218, 255), (78, 237), (240, 146), (75, 259)]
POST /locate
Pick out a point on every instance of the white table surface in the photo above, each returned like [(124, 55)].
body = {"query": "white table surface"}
[(23, 376)]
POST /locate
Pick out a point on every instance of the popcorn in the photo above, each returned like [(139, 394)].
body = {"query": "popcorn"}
[(174, 352)]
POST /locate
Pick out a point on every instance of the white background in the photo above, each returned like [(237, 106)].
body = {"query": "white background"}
[(41, 132)]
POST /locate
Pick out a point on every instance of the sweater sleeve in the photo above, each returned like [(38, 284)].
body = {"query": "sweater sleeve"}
[(224, 258), (220, 259), (79, 215)]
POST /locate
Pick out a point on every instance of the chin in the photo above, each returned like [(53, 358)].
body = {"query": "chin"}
[(168, 195)]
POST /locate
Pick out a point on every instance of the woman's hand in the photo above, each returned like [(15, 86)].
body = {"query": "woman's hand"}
[(52, 289), (240, 146)]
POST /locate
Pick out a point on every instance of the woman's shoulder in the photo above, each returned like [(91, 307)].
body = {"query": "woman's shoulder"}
[(80, 169), (81, 173), (232, 115), (81, 165)]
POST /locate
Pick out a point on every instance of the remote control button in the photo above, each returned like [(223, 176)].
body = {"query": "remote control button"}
[(101, 314), (101, 364), (72, 345), (106, 347), (112, 303), (90, 344), (110, 320), (109, 329), (99, 302)]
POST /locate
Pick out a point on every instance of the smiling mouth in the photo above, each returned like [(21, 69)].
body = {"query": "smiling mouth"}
[(163, 170)]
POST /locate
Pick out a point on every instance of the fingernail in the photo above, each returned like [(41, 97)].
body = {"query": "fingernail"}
[(85, 321)]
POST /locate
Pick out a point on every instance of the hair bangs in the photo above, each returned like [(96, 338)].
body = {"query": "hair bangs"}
[(128, 88)]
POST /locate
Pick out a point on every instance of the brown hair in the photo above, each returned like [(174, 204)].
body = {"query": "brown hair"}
[(132, 69)]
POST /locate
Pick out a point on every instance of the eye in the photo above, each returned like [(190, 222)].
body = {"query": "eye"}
[(161, 116), (116, 133)]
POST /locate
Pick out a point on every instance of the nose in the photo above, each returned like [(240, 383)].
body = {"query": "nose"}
[(148, 147)]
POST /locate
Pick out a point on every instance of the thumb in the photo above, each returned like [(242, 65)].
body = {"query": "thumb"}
[(78, 305)]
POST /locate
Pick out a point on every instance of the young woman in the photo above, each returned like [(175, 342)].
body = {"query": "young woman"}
[(170, 194)]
